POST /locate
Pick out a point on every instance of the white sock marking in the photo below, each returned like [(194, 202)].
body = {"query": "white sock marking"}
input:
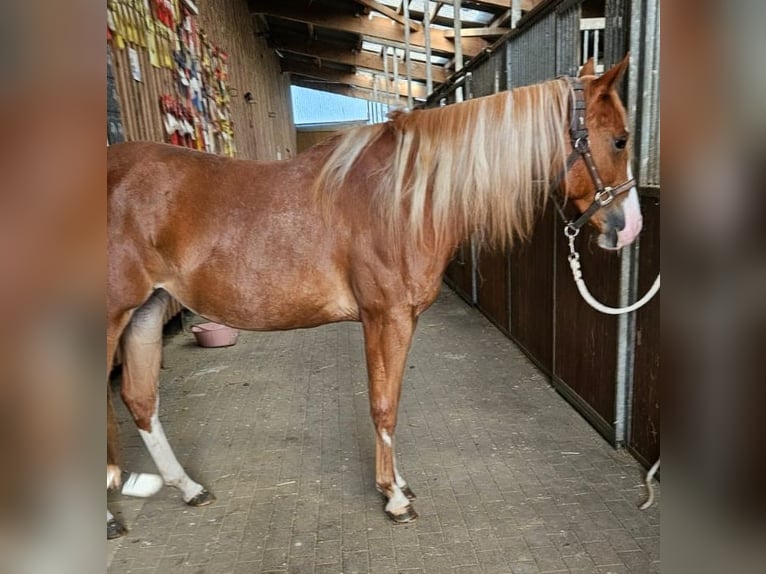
[(162, 454), (397, 501), (385, 437)]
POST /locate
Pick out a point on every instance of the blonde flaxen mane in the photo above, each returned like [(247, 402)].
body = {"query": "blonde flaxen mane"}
[(484, 166)]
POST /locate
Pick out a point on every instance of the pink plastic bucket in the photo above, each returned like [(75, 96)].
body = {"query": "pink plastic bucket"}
[(214, 335)]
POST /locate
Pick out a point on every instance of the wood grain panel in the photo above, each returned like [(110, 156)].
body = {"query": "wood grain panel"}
[(264, 128), (492, 292), (531, 293), (459, 274), (586, 340), (644, 438)]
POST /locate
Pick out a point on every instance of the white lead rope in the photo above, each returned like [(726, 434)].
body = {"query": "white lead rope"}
[(574, 264), (649, 487)]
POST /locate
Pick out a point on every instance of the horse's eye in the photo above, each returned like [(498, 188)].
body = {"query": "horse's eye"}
[(620, 142)]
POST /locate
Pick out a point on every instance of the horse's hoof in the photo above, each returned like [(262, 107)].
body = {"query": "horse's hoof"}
[(202, 499), (408, 515), (114, 529)]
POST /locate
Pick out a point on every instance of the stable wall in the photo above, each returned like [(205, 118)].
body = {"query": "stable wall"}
[(263, 129)]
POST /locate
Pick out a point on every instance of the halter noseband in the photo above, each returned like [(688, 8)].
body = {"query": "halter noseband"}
[(578, 133)]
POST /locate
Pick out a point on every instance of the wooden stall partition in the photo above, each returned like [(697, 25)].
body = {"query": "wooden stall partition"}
[(492, 296), (459, 274), (531, 293), (585, 341), (644, 431)]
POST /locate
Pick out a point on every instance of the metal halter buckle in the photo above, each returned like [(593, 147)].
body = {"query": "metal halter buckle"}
[(581, 144), (604, 197)]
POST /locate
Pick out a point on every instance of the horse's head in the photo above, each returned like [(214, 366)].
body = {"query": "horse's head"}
[(599, 180)]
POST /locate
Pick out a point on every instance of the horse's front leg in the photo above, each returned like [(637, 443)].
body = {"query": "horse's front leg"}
[(387, 341)]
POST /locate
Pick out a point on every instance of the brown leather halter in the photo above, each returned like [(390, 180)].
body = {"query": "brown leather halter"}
[(578, 132)]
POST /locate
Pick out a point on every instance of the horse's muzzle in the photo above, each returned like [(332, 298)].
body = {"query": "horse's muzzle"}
[(621, 224)]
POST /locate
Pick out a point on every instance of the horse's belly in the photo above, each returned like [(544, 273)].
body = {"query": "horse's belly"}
[(269, 309)]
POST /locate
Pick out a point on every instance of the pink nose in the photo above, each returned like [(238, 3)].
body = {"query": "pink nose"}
[(631, 209), (632, 228)]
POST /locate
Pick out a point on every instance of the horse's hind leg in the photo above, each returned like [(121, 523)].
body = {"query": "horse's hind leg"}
[(142, 355), (387, 341)]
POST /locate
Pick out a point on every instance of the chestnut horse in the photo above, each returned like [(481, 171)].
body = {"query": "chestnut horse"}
[(359, 228)]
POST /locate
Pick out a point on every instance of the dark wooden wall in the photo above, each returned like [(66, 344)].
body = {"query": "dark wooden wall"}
[(585, 340), (531, 287), (529, 294), (644, 432)]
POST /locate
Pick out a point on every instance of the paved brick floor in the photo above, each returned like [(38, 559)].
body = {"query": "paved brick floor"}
[(509, 478)]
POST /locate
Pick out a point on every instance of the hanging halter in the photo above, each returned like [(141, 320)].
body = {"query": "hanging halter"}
[(578, 133)]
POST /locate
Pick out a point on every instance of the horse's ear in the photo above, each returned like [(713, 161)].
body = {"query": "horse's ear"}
[(588, 68), (610, 78)]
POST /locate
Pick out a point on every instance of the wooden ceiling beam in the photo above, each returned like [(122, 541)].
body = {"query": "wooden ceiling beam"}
[(477, 32), (350, 91), (360, 59), (360, 80), (369, 27), (525, 4), (390, 12)]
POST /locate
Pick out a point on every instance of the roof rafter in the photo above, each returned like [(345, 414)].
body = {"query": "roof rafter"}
[(390, 12), (360, 80), (478, 32), (372, 28), (360, 59), (342, 89)]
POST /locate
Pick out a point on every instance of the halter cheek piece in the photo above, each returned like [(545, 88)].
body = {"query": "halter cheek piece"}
[(578, 133)]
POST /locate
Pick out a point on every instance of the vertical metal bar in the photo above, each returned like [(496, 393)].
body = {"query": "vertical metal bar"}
[(396, 75), (649, 149), (586, 46), (515, 12), (595, 48), (474, 272), (458, 25), (407, 58), (375, 95), (427, 33), (636, 51), (468, 82), (625, 350), (386, 75)]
